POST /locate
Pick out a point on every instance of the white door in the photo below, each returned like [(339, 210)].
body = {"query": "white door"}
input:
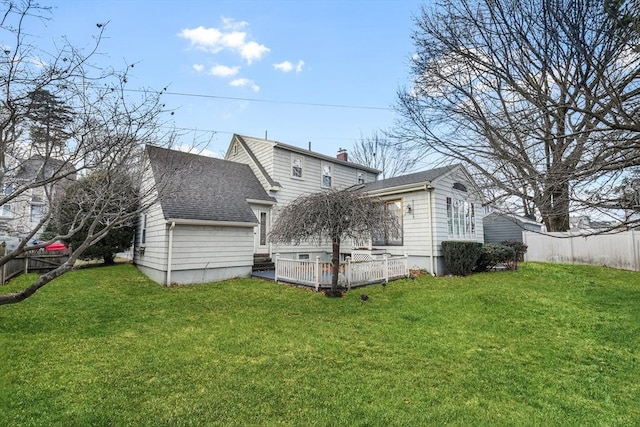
[(260, 232)]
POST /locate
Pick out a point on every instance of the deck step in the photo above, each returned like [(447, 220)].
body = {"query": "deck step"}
[(262, 262)]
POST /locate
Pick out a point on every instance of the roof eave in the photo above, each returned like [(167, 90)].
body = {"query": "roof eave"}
[(182, 221), (406, 188)]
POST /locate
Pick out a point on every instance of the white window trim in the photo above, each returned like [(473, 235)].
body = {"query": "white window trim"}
[(461, 218), (331, 172), (295, 156)]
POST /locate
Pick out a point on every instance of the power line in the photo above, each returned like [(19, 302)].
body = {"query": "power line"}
[(267, 101)]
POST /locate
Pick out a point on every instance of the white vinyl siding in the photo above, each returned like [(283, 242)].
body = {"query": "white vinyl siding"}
[(210, 247), (155, 247)]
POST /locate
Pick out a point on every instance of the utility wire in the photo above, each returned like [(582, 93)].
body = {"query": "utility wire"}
[(268, 101)]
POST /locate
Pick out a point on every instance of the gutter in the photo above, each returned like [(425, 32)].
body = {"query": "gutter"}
[(431, 236), (409, 188), (176, 221), (170, 253)]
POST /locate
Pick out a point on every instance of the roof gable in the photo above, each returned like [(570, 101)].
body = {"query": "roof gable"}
[(205, 188), (309, 153)]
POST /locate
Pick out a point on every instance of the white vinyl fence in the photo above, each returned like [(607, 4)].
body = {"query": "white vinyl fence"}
[(317, 274), (618, 250)]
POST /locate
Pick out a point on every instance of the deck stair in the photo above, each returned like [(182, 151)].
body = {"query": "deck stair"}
[(262, 262)]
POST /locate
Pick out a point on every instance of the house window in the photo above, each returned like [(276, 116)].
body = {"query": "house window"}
[(5, 210), (235, 149), (263, 228), (296, 166), (360, 178), (461, 219), (143, 231), (391, 207), (36, 213), (326, 175)]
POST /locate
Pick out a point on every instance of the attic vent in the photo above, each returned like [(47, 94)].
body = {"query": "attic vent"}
[(458, 186)]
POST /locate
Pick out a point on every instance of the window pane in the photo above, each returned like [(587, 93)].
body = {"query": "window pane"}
[(326, 176), (296, 170)]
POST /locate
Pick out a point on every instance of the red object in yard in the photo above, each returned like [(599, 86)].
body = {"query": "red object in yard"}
[(56, 246)]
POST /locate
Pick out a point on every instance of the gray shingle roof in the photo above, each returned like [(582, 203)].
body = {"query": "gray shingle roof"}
[(413, 178), (204, 188)]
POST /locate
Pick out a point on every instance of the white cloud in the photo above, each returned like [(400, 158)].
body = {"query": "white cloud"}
[(198, 67), (223, 71), (287, 67), (230, 38), (243, 82), (284, 66), (232, 24)]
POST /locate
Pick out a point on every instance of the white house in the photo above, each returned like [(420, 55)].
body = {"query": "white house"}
[(286, 172), (217, 214), (433, 206), (201, 229), (25, 201)]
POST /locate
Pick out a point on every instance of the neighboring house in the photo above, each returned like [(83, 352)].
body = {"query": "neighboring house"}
[(22, 213), (215, 214), (202, 227), (499, 226), (584, 224), (433, 206)]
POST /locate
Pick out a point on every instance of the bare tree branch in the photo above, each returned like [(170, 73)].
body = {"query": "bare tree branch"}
[(539, 98)]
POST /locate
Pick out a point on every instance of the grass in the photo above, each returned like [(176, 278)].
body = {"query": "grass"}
[(546, 345)]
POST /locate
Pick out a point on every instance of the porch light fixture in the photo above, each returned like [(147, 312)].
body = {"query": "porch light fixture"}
[(409, 208)]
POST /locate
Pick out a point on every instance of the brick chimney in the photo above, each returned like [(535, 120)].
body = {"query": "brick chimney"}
[(342, 155)]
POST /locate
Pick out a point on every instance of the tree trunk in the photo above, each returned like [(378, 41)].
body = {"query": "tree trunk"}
[(555, 213), (335, 268)]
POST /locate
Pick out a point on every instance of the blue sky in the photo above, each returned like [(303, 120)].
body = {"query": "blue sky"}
[(305, 60)]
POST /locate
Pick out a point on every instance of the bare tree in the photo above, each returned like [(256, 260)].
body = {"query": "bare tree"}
[(381, 152), (104, 129), (333, 216), (539, 98)]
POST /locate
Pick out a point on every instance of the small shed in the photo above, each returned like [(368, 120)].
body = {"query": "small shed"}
[(499, 226)]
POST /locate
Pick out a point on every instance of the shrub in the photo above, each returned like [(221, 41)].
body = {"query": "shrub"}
[(520, 249), (460, 257), (493, 254)]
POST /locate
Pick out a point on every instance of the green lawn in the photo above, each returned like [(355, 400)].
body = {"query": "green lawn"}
[(546, 345)]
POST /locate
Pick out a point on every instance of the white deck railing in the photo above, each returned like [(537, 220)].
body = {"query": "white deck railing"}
[(318, 274)]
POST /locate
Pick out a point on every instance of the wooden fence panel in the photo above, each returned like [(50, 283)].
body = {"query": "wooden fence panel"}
[(33, 262)]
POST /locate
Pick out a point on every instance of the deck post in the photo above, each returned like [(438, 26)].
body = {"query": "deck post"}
[(348, 273), (317, 273), (386, 268), (406, 264), (275, 264)]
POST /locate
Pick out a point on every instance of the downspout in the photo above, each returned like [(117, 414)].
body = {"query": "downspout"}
[(170, 252), (431, 237)]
